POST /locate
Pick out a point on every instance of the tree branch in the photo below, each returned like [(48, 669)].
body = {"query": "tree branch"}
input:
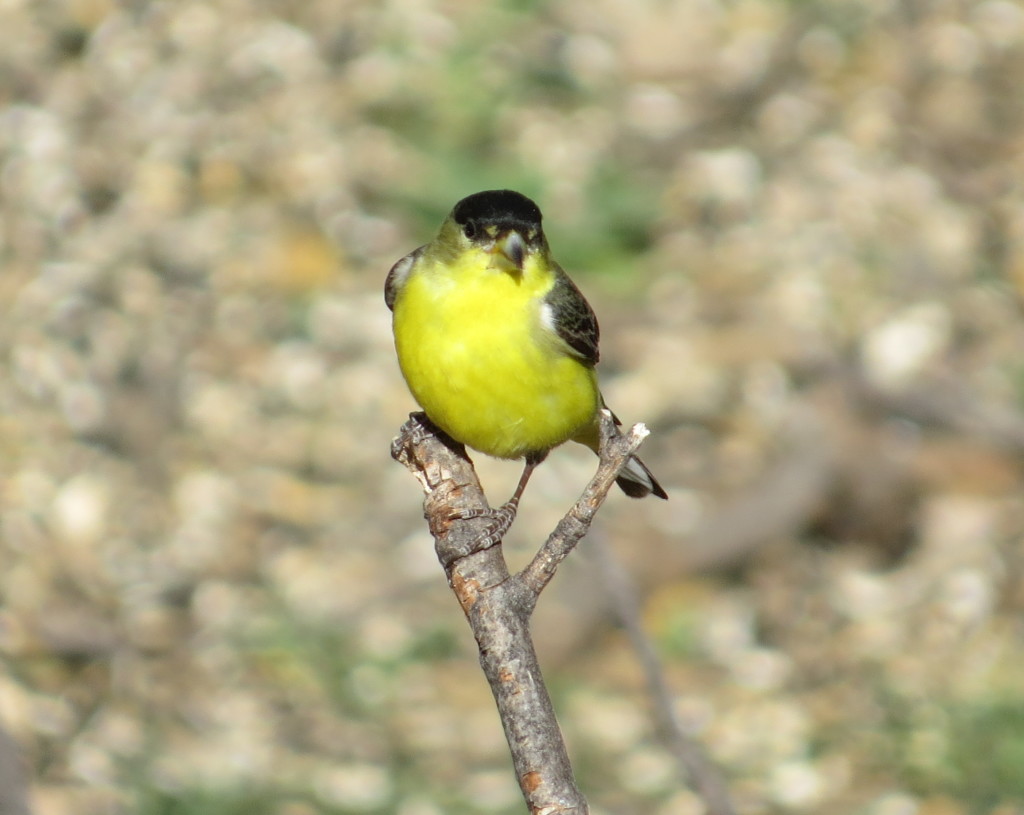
[(13, 783), (615, 451), (704, 778), (497, 605)]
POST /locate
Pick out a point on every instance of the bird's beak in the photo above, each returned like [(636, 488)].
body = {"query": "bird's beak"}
[(512, 248)]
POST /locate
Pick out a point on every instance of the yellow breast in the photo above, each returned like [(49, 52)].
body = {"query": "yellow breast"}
[(478, 358)]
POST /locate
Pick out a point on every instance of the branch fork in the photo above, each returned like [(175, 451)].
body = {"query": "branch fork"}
[(498, 604)]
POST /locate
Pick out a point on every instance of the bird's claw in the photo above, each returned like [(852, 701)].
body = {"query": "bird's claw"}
[(499, 521), (419, 427)]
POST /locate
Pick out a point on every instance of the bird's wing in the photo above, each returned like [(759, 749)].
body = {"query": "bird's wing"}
[(572, 318), (398, 275)]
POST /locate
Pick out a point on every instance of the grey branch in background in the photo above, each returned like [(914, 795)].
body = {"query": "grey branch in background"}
[(13, 785)]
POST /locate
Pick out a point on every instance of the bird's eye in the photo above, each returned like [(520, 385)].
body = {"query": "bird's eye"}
[(469, 230)]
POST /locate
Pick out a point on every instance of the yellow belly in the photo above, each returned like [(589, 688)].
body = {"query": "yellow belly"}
[(485, 370)]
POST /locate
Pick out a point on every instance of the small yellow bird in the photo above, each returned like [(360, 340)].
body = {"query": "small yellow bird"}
[(496, 343)]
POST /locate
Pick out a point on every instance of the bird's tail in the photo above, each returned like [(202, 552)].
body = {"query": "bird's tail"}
[(635, 479)]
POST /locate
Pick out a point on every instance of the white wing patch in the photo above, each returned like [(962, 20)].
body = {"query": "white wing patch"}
[(402, 269), (398, 275), (547, 317)]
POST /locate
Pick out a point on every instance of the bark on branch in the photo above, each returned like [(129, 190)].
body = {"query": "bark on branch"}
[(498, 604)]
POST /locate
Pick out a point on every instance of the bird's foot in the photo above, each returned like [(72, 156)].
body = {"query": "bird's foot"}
[(415, 431), (499, 521)]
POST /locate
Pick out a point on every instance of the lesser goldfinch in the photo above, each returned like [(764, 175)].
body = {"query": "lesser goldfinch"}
[(496, 343)]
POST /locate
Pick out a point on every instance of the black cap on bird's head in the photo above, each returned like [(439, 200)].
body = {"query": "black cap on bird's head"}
[(502, 220), (503, 208)]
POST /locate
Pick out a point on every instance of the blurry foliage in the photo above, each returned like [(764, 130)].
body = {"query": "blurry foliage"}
[(973, 751), (244, 800), (679, 634)]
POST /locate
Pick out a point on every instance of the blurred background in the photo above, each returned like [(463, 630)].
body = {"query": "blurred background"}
[(801, 225)]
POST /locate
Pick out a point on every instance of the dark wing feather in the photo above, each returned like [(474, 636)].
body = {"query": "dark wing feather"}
[(574, 320), (398, 275)]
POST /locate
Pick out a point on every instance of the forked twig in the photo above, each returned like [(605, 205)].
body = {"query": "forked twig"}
[(498, 604)]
